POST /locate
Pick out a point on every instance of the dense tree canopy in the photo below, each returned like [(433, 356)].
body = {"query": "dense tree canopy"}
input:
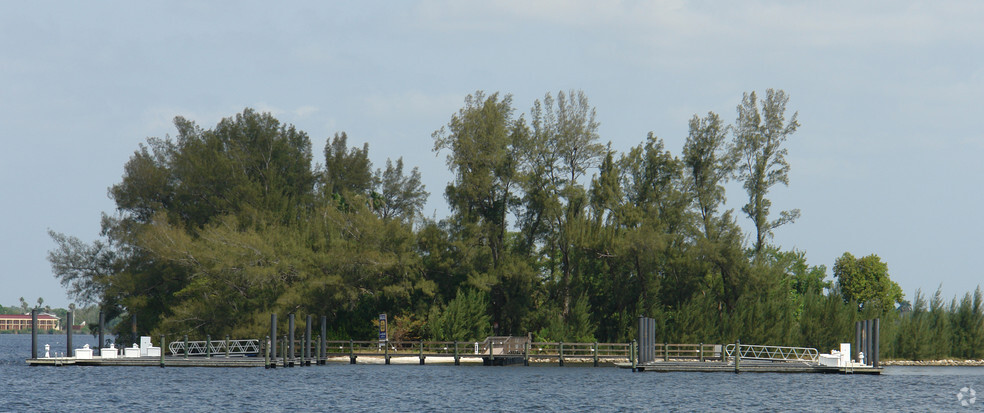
[(551, 232)]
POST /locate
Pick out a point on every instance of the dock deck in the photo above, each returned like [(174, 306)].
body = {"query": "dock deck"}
[(748, 366)]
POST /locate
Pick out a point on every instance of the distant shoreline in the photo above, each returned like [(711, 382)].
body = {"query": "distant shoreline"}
[(933, 363)]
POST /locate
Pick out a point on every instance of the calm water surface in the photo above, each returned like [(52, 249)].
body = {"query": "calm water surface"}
[(343, 387)]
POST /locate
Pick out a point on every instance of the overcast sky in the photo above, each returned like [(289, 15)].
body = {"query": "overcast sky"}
[(888, 159)]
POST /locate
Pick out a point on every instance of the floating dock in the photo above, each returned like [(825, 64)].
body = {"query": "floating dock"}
[(748, 366)]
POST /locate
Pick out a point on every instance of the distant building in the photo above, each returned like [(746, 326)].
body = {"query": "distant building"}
[(14, 322)]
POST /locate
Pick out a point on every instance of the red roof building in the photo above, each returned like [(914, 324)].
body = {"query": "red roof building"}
[(14, 322)]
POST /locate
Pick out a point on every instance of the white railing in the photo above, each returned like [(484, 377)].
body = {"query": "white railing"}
[(217, 347), (772, 353)]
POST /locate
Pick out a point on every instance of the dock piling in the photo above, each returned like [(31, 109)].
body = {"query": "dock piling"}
[(69, 321), (102, 328), (185, 347), (208, 346), (457, 359), (737, 356), (163, 350), (421, 352), (307, 341), (561, 351), (273, 338), (133, 329), (386, 349), (290, 342), (323, 354), (351, 351), (34, 333), (594, 350), (227, 346)]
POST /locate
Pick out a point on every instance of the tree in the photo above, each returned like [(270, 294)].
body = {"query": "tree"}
[(347, 170), (402, 196), (866, 281), (761, 158), (708, 165)]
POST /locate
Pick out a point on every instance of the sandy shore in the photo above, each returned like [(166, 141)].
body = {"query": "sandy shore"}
[(976, 363)]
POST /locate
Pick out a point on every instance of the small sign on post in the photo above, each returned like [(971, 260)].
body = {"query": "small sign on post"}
[(382, 327)]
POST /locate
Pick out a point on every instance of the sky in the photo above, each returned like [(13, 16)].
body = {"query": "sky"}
[(887, 161)]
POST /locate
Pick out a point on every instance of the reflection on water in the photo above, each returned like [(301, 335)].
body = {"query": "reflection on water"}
[(448, 388)]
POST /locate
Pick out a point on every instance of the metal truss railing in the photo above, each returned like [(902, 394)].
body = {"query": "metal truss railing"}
[(217, 347), (772, 353)]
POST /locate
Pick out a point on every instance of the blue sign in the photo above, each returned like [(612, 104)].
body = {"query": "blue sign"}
[(382, 327)]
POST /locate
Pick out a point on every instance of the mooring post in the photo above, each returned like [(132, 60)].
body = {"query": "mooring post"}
[(208, 346), (737, 356), (857, 341), (386, 353), (561, 348), (595, 351), (317, 352), (307, 341), (666, 352), (351, 351), (68, 333), (875, 339), (491, 352), (457, 360), (265, 348), (701, 350), (421, 352), (283, 351), (273, 338), (163, 349), (867, 342), (324, 343), (227, 346), (34, 333), (526, 353), (102, 326), (290, 342), (632, 354), (186, 347)]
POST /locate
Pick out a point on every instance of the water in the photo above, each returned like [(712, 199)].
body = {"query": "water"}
[(343, 387)]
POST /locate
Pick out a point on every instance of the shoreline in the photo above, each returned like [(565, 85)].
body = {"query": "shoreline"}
[(933, 363)]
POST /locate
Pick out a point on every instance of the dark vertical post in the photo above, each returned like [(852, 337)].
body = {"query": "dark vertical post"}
[(421, 352), (737, 356), (208, 346), (457, 359), (642, 339), (324, 340), (163, 347), (857, 340), (290, 340), (102, 329), (227, 346), (186, 347), (351, 351), (266, 352), (867, 342), (133, 328), (386, 350), (273, 338), (69, 320), (307, 340), (34, 333), (875, 338), (526, 352), (666, 351), (561, 351), (701, 350), (283, 351), (595, 354)]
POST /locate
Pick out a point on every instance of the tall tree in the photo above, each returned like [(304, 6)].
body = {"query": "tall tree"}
[(759, 136), (402, 196), (562, 147), (708, 165)]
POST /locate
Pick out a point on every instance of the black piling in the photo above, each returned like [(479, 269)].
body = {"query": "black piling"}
[(857, 341), (208, 346), (737, 356), (34, 333), (875, 338), (266, 352), (163, 347), (323, 354), (186, 347), (867, 342), (69, 320), (273, 339), (290, 341), (102, 331), (307, 341)]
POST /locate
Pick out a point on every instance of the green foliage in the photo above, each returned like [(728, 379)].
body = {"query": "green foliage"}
[(551, 234), (866, 281), (464, 319)]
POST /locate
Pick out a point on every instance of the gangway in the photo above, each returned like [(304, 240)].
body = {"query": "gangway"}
[(772, 353)]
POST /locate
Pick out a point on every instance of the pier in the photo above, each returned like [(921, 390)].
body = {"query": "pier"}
[(642, 355)]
